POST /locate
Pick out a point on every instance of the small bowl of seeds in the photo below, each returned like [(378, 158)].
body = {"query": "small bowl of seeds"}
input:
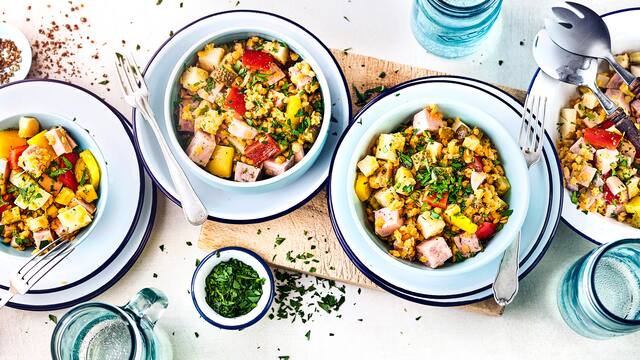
[(15, 54), (232, 288)]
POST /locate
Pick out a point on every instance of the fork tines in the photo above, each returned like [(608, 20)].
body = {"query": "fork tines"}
[(531, 134)]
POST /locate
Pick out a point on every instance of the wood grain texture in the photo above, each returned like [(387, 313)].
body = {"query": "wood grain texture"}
[(309, 244)]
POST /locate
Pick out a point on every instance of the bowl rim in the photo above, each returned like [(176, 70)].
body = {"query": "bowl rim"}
[(517, 163), (104, 173), (270, 283), (266, 33)]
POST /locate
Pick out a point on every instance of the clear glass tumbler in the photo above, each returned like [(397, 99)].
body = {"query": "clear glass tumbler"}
[(453, 28), (599, 295)]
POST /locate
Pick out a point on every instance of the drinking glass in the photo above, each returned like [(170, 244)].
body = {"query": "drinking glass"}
[(101, 331), (453, 28), (599, 295)]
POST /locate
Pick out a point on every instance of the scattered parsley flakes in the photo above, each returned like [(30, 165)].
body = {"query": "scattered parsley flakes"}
[(189, 243), (279, 241), (237, 3), (53, 318), (138, 47), (259, 232), (158, 2), (382, 75), (346, 51), (346, 18), (418, 318), (196, 334), (104, 82), (312, 270), (155, 275), (197, 262), (308, 335), (161, 247)]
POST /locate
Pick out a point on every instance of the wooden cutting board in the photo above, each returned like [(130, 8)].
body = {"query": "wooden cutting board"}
[(308, 230)]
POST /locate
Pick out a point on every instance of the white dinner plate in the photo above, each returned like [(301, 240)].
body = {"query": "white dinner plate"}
[(236, 207), (113, 230), (109, 274), (593, 227), (539, 227)]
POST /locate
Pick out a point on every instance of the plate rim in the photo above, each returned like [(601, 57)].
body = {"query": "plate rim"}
[(531, 82), (313, 194), (136, 217), (420, 298), (127, 266)]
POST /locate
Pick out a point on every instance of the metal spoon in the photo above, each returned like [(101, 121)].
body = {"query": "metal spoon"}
[(588, 36), (581, 71)]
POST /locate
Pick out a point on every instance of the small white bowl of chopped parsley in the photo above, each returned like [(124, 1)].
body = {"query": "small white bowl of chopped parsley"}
[(232, 288)]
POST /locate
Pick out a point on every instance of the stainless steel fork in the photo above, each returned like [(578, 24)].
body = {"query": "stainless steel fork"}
[(39, 265), (136, 94), (530, 140)]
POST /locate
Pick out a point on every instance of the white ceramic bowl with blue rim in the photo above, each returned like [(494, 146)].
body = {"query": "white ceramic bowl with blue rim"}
[(391, 109), (12, 33), (85, 142), (228, 36), (117, 224), (108, 276), (593, 227), (232, 206), (198, 293)]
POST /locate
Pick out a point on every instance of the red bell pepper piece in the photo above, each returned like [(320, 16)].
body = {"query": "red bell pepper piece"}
[(261, 150), (486, 230), (606, 124), (600, 138), (72, 157), (476, 164), (434, 201), (235, 101), (14, 155), (256, 60), (68, 179)]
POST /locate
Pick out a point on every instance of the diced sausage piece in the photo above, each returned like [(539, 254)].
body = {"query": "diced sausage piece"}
[(614, 82), (60, 141), (597, 181), (387, 221), (42, 235), (627, 149), (58, 228), (242, 130), (585, 175), (298, 152), (212, 95), (592, 199), (50, 185), (436, 251), (185, 118), (635, 105), (87, 206), (275, 74), (246, 173), (424, 120), (615, 185), (298, 78), (272, 168), (617, 97), (612, 210), (429, 226), (604, 159), (477, 178), (467, 244), (201, 147)]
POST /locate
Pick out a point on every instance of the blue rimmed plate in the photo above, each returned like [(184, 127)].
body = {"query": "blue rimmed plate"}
[(593, 227), (537, 232), (111, 233), (107, 275), (234, 207)]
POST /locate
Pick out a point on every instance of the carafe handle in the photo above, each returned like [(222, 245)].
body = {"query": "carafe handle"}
[(148, 305)]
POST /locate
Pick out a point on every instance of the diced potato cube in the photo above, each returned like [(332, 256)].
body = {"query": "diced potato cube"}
[(368, 165), (471, 142), (221, 163), (210, 57), (385, 197), (623, 60), (568, 118), (389, 145), (28, 126), (451, 210), (434, 150), (37, 223), (632, 186), (278, 50), (74, 218), (87, 193), (194, 78), (633, 206), (602, 79), (634, 57), (382, 177), (52, 211), (65, 196), (10, 216), (363, 190), (32, 197), (430, 226), (21, 180), (404, 181), (589, 100)]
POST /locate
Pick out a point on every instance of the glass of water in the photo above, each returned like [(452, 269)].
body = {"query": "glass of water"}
[(599, 295), (100, 331), (453, 28)]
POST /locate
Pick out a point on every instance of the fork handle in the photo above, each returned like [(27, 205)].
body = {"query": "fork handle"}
[(192, 207), (626, 126), (505, 286)]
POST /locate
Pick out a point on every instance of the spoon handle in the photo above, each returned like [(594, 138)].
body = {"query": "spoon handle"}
[(631, 80)]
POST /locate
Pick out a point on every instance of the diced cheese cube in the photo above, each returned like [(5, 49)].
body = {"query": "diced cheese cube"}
[(389, 145), (404, 181), (471, 142), (368, 165), (65, 196), (74, 218), (430, 226), (605, 158), (37, 223), (33, 197), (589, 100), (10, 216), (87, 193)]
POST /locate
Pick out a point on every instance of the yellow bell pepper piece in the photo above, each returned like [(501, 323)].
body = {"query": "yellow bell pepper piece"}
[(39, 139), (65, 196), (293, 106), (87, 193), (456, 218), (92, 167), (363, 190), (221, 163), (633, 206)]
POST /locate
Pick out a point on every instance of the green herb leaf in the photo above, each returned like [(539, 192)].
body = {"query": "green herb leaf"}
[(53, 318)]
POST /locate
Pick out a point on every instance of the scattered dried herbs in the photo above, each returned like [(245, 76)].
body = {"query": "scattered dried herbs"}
[(363, 97), (233, 288)]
